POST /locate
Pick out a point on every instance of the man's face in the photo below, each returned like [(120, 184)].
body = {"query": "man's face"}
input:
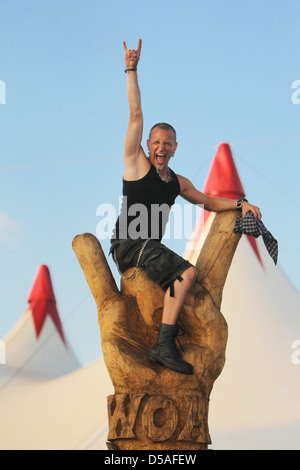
[(161, 147)]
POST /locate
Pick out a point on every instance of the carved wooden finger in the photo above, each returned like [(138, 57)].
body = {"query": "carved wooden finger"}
[(95, 268), (216, 255)]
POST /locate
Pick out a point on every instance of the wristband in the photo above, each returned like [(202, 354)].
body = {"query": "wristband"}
[(239, 203), (130, 70)]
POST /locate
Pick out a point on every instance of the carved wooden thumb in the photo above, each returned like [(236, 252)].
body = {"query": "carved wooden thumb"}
[(154, 407)]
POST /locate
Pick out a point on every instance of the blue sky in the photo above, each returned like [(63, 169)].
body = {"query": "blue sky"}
[(219, 71)]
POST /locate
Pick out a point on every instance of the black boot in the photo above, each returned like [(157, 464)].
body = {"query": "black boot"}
[(165, 353)]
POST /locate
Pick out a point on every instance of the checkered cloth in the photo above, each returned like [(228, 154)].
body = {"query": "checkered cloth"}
[(250, 225)]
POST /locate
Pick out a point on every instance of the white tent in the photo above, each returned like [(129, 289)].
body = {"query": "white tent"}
[(255, 401), (47, 401)]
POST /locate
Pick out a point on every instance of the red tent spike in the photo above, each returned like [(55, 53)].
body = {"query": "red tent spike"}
[(223, 178), (42, 302), (223, 181)]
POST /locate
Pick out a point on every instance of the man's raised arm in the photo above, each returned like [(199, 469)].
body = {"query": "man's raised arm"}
[(136, 163)]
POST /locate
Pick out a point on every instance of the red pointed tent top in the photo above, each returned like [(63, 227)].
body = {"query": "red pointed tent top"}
[(42, 288), (223, 179), (42, 302)]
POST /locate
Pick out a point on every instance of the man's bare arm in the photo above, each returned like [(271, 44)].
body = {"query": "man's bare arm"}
[(213, 204), (136, 163)]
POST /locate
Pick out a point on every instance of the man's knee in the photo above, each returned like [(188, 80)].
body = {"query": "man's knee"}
[(190, 275)]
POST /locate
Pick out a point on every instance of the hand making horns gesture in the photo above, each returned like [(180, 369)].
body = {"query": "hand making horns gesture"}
[(132, 56), (129, 321)]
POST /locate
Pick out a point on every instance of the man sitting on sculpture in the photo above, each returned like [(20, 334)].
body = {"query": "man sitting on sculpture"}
[(148, 181)]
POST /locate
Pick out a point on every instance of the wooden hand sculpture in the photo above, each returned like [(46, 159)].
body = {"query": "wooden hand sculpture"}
[(154, 407)]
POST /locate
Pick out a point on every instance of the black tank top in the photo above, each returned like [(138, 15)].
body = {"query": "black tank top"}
[(146, 206)]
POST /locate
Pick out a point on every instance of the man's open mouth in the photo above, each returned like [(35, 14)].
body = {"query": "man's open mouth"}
[(160, 158)]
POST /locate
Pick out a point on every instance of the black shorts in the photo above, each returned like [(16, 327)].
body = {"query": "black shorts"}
[(161, 264)]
